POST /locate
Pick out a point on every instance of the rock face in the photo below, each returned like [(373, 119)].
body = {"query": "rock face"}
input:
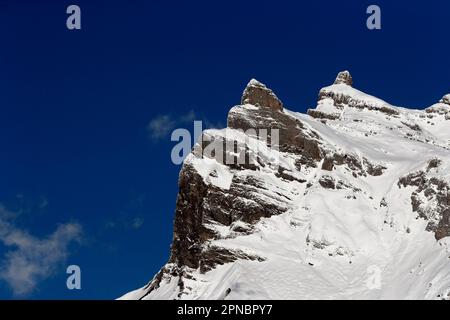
[(445, 99), (431, 198), (258, 94), (292, 206), (441, 108), (345, 78)]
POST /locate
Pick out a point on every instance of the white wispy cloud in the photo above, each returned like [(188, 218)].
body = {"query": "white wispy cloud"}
[(161, 126), (137, 222), (124, 221), (28, 259)]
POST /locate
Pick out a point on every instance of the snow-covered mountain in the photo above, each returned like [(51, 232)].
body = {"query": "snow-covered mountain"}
[(354, 203)]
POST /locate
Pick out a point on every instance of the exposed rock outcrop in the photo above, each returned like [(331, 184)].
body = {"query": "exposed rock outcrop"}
[(353, 163), (323, 115), (345, 78), (258, 94), (431, 199), (445, 99), (441, 108)]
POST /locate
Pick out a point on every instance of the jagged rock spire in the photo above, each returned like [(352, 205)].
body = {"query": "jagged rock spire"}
[(258, 94), (344, 77)]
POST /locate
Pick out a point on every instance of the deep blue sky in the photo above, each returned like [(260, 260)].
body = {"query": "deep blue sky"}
[(75, 105)]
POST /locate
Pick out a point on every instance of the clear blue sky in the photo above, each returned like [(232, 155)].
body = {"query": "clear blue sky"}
[(75, 107)]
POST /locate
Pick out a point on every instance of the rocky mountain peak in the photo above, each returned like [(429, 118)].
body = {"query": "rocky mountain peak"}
[(445, 99), (257, 94), (344, 77), (333, 99), (322, 201)]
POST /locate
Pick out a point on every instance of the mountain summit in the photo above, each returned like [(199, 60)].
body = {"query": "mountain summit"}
[(349, 201), (258, 94), (345, 78)]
